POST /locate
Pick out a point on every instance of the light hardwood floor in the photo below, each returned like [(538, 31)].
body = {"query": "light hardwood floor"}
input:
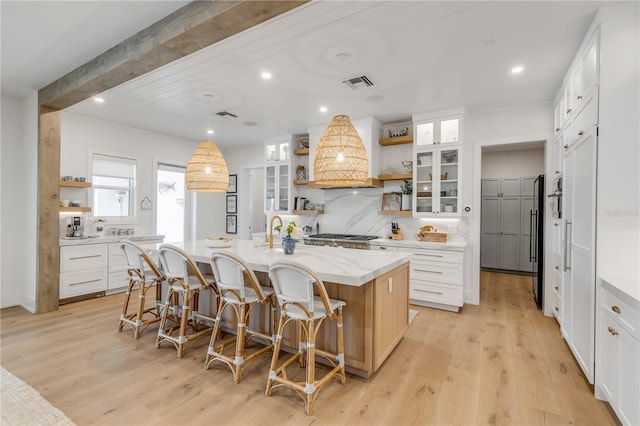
[(501, 362)]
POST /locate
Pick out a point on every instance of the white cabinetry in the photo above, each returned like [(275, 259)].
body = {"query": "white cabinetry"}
[(579, 211), (618, 357), (436, 278), (118, 278), (278, 175), (437, 181), (434, 129), (83, 270)]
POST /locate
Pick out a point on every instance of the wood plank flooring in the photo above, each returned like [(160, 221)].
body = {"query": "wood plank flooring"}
[(501, 362)]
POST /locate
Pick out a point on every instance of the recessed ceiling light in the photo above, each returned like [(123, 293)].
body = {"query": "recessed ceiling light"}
[(517, 70), (98, 100), (323, 109), (210, 131), (266, 75)]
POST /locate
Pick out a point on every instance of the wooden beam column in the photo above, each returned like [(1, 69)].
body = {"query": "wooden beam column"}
[(197, 25)]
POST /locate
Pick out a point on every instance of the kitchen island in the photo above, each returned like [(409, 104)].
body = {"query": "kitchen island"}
[(375, 286)]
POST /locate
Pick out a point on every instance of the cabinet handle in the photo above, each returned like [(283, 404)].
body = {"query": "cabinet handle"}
[(580, 132), (428, 291), (566, 245), (85, 257), (426, 270), (613, 331), (428, 255), (615, 309), (382, 248), (557, 129), (86, 282), (579, 97), (569, 110), (556, 308), (556, 267), (566, 146), (556, 224), (557, 172), (557, 289)]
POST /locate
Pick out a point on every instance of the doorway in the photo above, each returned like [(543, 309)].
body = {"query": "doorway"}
[(507, 189), (172, 204), (257, 218)]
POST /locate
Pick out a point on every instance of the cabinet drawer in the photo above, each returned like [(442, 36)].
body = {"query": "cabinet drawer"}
[(83, 282), (437, 293), (449, 273), (621, 311), (78, 258), (585, 118), (445, 256), (385, 248), (118, 280), (117, 263)]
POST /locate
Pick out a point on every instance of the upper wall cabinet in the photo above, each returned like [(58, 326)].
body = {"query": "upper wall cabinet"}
[(434, 129), (277, 175)]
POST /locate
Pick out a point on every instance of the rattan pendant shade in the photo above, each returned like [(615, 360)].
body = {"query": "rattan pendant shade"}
[(206, 170), (340, 158)]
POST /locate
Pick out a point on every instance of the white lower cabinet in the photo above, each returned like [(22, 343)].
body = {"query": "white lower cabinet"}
[(436, 278), (118, 277), (618, 354), (83, 270)]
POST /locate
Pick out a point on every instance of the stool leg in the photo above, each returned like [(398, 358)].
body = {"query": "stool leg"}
[(341, 345), (240, 336), (302, 343), (125, 305), (140, 313), (163, 318), (276, 353), (309, 388), (186, 309), (214, 334)]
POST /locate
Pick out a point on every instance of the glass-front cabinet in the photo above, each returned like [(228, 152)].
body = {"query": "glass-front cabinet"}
[(277, 176), (437, 178), (434, 132)]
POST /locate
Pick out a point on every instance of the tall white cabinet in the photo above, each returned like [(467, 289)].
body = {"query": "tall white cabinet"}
[(579, 210)]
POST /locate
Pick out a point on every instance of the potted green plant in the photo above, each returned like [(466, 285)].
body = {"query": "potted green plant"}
[(406, 189), (289, 241)]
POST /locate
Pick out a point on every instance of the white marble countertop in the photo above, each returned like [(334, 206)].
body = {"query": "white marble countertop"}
[(108, 239), (337, 265), (626, 285), (456, 243)]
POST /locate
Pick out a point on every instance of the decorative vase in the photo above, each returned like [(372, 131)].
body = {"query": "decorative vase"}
[(406, 201), (288, 245), (301, 174)]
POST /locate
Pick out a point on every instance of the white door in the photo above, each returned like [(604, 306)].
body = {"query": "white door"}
[(580, 220), (172, 203)]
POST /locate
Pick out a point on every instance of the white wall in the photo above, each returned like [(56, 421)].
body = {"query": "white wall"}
[(81, 136), (618, 203), (18, 181), (516, 163)]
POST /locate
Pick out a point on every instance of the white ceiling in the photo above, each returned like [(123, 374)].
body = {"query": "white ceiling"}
[(422, 56)]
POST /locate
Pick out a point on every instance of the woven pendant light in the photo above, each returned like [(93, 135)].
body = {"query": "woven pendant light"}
[(206, 170), (340, 158)]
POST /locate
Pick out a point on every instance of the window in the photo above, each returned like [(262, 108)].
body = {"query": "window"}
[(114, 182)]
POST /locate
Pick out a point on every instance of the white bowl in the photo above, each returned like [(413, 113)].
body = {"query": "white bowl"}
[(219, 242)]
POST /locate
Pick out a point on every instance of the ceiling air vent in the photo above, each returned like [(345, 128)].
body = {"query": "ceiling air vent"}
[(226, 114), (358, 82)]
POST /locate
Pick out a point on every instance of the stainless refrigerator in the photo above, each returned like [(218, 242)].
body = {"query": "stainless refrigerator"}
[(536, 243)]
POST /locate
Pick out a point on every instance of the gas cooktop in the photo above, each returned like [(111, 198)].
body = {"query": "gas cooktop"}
[(348, 237)]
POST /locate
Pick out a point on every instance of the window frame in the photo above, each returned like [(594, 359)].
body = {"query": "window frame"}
[(133, 216)]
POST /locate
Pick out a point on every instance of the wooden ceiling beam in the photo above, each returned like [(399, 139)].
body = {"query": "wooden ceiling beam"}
[(197, 25)]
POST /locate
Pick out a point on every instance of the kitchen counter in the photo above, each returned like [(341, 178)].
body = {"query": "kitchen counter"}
[(374, 285), (456, 242), (109, 239), (332, 264)]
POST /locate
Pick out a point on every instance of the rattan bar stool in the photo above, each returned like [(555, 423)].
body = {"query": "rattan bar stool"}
[(144, 275), (185, 282), (230, 273), (294, 285)]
